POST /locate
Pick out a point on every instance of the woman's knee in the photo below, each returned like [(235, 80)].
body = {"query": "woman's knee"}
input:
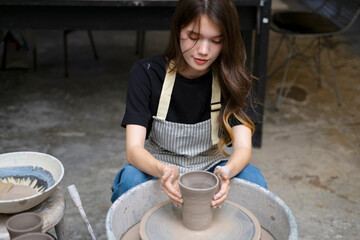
[(133, 176), (253, 174), (127, 178)]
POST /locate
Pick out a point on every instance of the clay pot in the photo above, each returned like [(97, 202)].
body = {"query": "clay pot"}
[(197, 189), (24, 223), (34, 236)]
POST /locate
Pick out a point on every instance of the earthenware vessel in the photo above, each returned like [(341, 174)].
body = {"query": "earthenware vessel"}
[(197, 189), (24, 223), (35, 171), (34, 236)]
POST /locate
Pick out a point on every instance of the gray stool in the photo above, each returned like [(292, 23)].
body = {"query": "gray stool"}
[(52, 211)]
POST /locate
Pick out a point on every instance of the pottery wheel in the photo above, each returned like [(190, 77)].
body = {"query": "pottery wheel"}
[(231, 221)]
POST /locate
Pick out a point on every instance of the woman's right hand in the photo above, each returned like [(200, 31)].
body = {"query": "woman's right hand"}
[(170, 184)]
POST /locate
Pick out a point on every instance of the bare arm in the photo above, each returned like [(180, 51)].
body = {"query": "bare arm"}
[(241, 154), (140, 158), (137, 155), (239, 158)]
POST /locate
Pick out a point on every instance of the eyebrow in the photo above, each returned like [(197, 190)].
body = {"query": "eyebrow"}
[(196, 33)]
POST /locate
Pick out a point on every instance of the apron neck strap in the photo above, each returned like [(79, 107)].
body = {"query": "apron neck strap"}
[(165, 98), (166, 92), (215, 107)]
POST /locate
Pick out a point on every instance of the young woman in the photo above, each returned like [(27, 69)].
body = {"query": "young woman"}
[(179, 104)]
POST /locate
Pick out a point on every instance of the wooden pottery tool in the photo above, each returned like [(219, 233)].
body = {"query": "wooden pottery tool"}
[(4, 188), (76, 199)]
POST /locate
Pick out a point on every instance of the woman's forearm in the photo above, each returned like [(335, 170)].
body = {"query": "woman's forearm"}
[(137, 155), (140, 158), (241, 154), (238, 160)]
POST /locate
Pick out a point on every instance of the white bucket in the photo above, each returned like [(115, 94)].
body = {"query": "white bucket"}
[(269, 209)]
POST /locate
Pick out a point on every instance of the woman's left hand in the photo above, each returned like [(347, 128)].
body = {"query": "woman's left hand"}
[(223, 173)]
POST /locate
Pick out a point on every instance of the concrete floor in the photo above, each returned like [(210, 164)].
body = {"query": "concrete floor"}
[(310, 154)]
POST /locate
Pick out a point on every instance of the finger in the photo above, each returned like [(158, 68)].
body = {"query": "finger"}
[(219, 194), (175, 199), (171, 188), (166, 176), (220, 198), (171, 174), (217, 203), (223, 191), (171, 169), (219, 174), (222, 172), (164, 179), (217, 169), (174, 192), (224, 183), (223, 176)]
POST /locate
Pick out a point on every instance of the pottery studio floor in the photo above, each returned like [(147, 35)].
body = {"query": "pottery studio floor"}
[(310, 154)]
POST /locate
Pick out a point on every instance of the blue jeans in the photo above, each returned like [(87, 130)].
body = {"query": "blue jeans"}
[(129, 177)]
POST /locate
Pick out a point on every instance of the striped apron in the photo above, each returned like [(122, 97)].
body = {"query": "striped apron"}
[(188, 146)]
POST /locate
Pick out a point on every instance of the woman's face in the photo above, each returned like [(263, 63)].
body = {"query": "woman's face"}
[(200, 46)]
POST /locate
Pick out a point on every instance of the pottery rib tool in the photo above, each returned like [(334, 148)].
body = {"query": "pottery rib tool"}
[(76, 198), (4, 188)]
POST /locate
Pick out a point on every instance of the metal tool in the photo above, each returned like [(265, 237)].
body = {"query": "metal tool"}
[(76, 199)]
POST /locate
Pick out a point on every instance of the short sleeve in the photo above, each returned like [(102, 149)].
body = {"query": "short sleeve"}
[(250, 111), (138, 97)]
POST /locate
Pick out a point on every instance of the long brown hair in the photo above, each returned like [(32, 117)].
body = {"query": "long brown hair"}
[(235, 81)]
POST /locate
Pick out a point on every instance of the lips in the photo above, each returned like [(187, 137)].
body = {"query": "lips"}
[(200, 61)]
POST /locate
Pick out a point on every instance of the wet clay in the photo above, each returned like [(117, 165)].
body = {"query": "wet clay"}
[(197, 189), (231, 221), (19, 191), (266, 235), (133, 233)]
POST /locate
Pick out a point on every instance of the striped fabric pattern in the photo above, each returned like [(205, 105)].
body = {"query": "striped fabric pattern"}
[(187, 146)]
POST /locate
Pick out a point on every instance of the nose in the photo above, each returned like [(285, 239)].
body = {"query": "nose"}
[(203, 47)]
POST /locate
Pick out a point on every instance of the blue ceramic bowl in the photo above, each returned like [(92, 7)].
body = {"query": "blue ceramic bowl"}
[(39, 171)]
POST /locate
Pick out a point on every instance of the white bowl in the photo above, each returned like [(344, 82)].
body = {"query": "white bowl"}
[(40, 171)]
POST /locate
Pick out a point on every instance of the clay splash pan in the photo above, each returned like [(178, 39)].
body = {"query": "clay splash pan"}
[(231, 221)]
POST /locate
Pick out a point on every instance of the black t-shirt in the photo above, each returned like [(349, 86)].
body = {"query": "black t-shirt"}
[(190, 99)]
